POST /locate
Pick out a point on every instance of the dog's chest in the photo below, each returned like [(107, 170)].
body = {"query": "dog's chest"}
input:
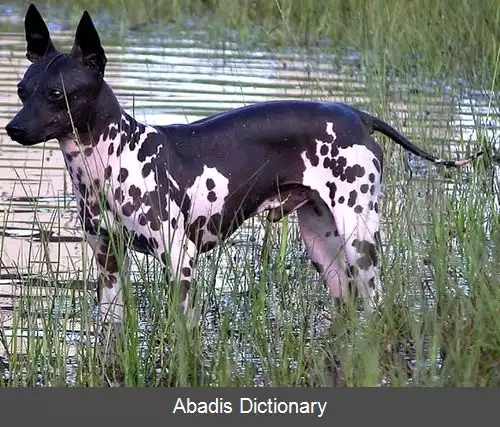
[(106, 173)]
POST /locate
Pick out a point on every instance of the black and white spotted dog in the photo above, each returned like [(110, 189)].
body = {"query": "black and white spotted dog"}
[(177, 190)]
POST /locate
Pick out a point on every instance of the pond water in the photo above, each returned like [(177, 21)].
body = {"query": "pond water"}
[(167, 77)]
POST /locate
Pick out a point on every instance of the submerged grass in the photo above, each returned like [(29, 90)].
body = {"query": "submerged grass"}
[(265, 318)]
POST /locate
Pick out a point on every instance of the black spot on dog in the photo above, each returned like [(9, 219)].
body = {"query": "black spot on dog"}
[(313, 158), (186, 271), (211, 197), (142, 219), (372, 190), (135, 193), (376, 163), (154, 221), (112, 133), (107, 172), (353, 172), (327, 163), (88, 151), (358, 209), (111, 149), (375, 207), (324, 150), (368, 253), (371, 177), (146, 170), (370, 205), (341, 199), (191, 263), (353, 195), (122, 175), (333, 191), (127, 209), (173, 223), (123, 142), (364, 188), (149, 146), (134, 141), (210, 184)]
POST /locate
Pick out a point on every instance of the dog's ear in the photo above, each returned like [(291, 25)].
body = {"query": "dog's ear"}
[(37, 35), (87, 46)]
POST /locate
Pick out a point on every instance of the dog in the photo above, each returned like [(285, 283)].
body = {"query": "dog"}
[(176, 191)]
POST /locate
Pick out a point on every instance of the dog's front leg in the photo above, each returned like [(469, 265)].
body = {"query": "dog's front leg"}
[(109, 250), (181, 259), (111, 273)]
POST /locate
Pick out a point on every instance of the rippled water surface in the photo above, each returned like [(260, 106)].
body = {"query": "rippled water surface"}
[(174, 77)]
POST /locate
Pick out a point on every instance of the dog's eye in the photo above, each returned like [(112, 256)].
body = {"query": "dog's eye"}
[(56, 94)]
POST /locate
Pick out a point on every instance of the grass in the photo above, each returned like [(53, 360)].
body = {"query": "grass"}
[(432, 37), (265, 317)]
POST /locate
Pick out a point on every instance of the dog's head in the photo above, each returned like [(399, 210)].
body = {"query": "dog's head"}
[(57, 81)]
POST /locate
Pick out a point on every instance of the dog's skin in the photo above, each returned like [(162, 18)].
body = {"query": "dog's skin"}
[(177, 190)]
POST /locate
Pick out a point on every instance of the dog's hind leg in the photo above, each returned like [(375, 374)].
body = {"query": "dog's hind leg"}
[(356, 214), (349, 189), (324, 245)]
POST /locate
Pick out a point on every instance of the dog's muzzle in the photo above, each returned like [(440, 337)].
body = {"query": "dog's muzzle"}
[(20, 135), (15, 132)]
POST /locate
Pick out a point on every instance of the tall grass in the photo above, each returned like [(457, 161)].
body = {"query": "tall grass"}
[(265, 318), (434, 37)]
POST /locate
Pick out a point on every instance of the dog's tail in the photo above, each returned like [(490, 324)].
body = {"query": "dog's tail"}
[(375, 124)]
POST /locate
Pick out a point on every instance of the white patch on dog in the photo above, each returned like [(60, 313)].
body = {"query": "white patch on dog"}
[(330, 131), (211, 183), (201, 196)]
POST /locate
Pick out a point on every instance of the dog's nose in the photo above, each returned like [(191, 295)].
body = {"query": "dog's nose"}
[(14, 131)]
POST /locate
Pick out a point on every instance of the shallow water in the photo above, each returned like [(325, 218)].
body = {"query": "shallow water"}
[(174, 77)]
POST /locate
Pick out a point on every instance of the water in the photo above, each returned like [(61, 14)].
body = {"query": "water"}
[(175, 77)]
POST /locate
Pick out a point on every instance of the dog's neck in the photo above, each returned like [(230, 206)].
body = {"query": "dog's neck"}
[(106, 112)]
